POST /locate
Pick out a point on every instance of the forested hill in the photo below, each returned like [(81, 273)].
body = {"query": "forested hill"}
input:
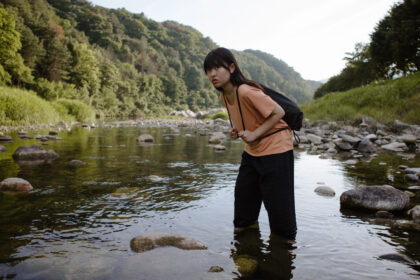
[(118, 62)]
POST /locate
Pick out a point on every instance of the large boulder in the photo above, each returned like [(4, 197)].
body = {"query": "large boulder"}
[(150, 241), (375, 198), (35, 154), (15, 185)]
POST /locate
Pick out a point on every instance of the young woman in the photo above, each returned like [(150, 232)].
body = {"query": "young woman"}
[(266, 173)]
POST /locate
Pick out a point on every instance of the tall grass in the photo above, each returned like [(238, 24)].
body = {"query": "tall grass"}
[(387, 101), (22, 107)]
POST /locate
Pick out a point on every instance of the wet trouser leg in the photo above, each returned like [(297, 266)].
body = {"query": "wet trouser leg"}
[(268, 179)]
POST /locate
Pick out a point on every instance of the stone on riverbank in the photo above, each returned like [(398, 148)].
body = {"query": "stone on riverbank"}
[(415, 214), (215, 269), (365, 146), (375, 198), (34, 153), (15, 185), (145, 138), (395, 147), (5, 138), (150, 241)]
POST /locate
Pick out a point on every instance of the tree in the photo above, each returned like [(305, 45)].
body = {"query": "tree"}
[(12, 67)]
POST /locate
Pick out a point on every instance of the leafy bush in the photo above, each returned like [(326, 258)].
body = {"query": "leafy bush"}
[(79, 110), (21, 107)]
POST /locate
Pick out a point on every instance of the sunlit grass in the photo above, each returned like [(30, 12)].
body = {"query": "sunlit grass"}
[(387, 101)]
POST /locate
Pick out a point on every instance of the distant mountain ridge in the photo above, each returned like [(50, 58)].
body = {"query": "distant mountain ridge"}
[(122, 63)]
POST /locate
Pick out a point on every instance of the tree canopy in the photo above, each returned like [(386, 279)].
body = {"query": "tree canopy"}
[(393, 51), (118, 62)]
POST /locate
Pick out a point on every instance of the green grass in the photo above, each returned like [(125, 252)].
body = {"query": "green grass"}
[(220, 115), (22, 107), (386, 101)]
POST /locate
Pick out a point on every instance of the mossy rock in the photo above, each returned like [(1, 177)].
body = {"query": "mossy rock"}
[(247, 265)]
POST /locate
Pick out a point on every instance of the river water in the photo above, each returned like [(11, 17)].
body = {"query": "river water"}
[(73, 226)]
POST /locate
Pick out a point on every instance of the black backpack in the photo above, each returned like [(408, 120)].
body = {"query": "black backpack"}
[(293, 115)]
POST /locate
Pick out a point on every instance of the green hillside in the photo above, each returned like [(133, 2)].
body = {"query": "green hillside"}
[(385, 101), (118, 63)]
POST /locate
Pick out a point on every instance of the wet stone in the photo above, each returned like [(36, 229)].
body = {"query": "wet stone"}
[(145, 138), (5, 138), (325, 190), (397, 258), (216, 269), (375, 198), (150, 241), (384, 214), (15, 185)]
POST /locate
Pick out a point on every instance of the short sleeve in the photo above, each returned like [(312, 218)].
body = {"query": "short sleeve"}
[(260, 101)]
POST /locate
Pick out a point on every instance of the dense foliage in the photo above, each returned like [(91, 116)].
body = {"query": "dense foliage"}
[(385, 101), (119, 63), (393, 51)]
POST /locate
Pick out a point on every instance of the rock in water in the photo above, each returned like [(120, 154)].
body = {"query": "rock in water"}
[(34, 152), (145, 138), (150, 241), (375, 198), (247, 266), (15, 185), (324, 190)]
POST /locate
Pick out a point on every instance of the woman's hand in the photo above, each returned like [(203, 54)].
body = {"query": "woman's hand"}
[(247, 136), (233, 133)]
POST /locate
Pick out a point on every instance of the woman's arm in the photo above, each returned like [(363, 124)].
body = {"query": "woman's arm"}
[(275, 116)]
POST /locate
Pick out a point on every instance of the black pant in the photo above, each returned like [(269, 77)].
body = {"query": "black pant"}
[(268, 179)]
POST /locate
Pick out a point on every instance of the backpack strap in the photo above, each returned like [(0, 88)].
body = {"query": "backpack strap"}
[(239, 105), (230, 119)]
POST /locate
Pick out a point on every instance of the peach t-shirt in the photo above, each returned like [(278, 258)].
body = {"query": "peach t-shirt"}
[(256, 108)]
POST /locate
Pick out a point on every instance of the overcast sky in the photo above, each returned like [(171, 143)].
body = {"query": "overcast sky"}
[(310, 36)]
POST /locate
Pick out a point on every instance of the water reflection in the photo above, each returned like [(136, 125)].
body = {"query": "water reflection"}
[(274, 258), (75, 213)]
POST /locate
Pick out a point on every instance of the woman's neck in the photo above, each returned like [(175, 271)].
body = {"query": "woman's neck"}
[(229, 92)]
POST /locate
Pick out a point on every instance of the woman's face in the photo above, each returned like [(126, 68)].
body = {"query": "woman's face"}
[(220, 76)]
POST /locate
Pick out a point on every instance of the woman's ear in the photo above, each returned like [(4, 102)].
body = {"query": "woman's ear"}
[(232, 68)]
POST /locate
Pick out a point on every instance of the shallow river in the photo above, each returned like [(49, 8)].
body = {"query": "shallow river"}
[(73, 227)]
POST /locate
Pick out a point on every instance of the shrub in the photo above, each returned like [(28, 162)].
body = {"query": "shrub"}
[(79, 110)]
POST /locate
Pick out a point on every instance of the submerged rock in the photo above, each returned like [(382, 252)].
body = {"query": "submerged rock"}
[(397, 258), (247, 266), (2, 149), (76, 162), (15, 185), (375, 198), (150, 241)]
